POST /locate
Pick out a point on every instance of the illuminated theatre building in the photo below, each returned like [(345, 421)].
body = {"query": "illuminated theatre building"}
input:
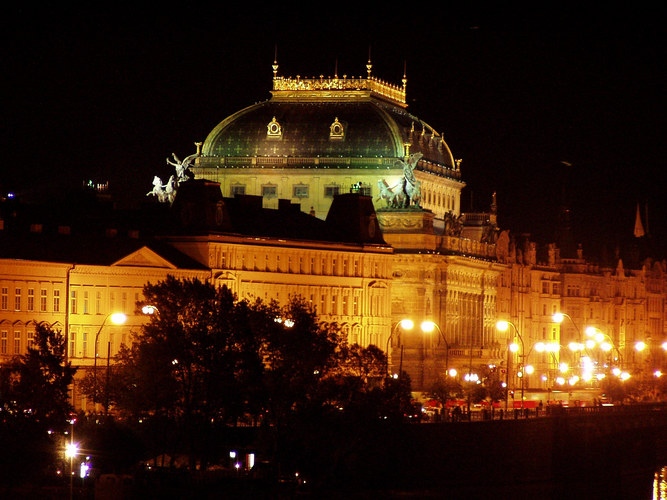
[(306, 194)]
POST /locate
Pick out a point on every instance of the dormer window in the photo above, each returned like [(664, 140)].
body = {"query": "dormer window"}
[(336, 131), (273, 130)]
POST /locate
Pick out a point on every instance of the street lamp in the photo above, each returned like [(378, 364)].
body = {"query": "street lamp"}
[(118, 319), (503, 326), (428, 327), (405, 324)]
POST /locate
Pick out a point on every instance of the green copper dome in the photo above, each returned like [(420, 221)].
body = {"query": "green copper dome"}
[(302, 124)]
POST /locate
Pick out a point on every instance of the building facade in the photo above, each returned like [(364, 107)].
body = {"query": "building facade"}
[(306, 194)]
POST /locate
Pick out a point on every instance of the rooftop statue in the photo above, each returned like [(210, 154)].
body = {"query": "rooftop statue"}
[(411, 187), (158, 190)]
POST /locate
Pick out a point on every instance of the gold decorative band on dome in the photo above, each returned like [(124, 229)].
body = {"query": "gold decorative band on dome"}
[(382, 89)]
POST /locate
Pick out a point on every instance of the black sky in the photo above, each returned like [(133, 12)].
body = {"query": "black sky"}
[(532, 102)]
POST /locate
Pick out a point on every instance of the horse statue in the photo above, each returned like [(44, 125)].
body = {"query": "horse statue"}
[(393, 199), (414, 193), (158, 190), (170, 189)]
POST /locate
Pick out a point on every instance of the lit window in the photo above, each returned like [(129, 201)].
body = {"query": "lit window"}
[(300, 191), (42, 300)]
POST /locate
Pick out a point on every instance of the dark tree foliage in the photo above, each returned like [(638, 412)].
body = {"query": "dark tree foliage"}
[(34, 400), (36, 384), (207, 360)]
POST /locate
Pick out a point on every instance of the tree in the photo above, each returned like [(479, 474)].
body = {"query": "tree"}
[(38, 381), (445, 389), (34, 399)]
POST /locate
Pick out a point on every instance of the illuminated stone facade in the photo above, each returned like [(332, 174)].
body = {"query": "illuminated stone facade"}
[(297, 154)]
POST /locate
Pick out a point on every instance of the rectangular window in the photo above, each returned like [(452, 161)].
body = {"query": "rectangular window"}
[(17, 342), (31, 299), (17, 299), (31, 339), (3, 342), (72, 344), (42, 300), (85, 302), (355, 305), (4, 299), (56, 301), (323, 305), (98, 303), (84, 347), (123, 301), (299, 191), (345, 305), (331, 191), (334, 304), (237, 189), (269, 191), (73, 303)]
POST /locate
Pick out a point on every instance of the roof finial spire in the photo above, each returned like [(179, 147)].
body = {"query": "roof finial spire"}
[(275, 62), (369, 66), (405, 72)]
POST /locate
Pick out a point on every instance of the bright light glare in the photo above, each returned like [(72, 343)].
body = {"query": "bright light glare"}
[(640, 346), (427, 326), (540, 347), (590, 331), (575, 346), (552, 347), (530, 369), (514, 347), (502, 326), (664, 346), (616, 371), (625, 376), (558, 317), (560, 380), (605, 346), (562, 367), (71, 450), (453, 372), (407, 324), (657, 374), (148, 309), (590, 343), (118, 318), (599, 337)]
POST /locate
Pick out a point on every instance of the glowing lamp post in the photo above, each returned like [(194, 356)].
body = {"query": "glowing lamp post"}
[(405, 324), (117, 319), (503, 326), (428, 327)]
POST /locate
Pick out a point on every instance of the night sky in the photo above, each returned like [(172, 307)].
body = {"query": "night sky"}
[(538, 106)]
